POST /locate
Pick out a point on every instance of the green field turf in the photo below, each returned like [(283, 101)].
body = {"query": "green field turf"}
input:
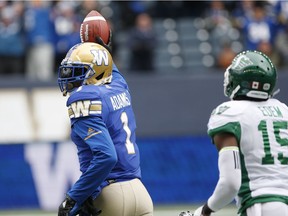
[(163, 210)]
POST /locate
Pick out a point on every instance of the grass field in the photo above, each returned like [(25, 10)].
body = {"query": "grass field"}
[(171, 210)]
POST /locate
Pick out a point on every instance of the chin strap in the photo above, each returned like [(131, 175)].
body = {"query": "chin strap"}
[(234, 92), (275, 92)]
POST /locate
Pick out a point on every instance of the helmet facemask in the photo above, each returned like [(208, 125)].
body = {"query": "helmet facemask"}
[(72, 76), (226, 82)]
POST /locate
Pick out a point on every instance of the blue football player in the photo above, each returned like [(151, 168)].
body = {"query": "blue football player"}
[(103, 129)]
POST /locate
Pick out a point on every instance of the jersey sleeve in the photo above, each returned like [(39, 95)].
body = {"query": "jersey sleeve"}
[(225, 119), (85, 102), (96, 152)]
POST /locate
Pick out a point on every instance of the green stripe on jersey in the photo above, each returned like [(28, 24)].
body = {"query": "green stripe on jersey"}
[(244, 192)]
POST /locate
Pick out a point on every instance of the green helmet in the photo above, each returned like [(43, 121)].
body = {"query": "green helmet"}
[(252, 75)]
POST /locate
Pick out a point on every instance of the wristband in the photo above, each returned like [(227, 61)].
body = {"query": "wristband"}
[(206, 210)]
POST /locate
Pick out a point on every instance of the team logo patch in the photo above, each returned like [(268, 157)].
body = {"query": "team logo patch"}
[(220, 110), (255, 85), (90, 131), (241, 62), (266, 86)]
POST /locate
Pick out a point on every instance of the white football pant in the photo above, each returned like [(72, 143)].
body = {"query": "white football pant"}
[(268, 209)]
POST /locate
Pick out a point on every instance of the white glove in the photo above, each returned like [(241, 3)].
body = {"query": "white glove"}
[(198, 211)]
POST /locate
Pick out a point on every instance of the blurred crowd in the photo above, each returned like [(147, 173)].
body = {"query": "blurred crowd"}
[(35, 35), (261, 25)]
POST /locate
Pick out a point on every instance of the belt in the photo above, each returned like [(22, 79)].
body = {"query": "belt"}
[(111, 181)]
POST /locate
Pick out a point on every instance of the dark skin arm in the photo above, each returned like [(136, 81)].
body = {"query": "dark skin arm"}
[(221, 141), (224, 140)]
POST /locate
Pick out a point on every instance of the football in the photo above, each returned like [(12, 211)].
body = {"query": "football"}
[(94, 24)]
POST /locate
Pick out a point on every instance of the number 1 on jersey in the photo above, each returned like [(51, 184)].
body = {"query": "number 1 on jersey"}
[(268, 158), (129, 144)]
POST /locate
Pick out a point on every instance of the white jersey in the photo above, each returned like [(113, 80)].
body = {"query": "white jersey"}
[(261, 129)]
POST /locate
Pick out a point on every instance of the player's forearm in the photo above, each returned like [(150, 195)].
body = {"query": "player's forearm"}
[(229, 181), (100, 167)]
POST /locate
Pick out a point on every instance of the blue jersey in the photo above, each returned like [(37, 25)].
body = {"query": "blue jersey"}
[(103, 129)]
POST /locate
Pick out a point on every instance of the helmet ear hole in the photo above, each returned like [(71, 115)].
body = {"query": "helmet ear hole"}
[(100, 76)]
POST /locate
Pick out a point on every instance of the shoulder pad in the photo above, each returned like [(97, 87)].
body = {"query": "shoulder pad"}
[(86, 92), (85, 102), (226, 118), (230, 108)]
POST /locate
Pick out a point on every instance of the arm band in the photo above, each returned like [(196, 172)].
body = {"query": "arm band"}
[(229, 178), (206, 210)]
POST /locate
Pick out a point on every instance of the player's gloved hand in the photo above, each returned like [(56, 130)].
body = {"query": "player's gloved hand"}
[(110, 39), (88, 209), (101, 42), (203, 210), (66, 206), (186, 213)]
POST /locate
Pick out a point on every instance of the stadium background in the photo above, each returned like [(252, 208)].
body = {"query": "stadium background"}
[(172, 104)]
